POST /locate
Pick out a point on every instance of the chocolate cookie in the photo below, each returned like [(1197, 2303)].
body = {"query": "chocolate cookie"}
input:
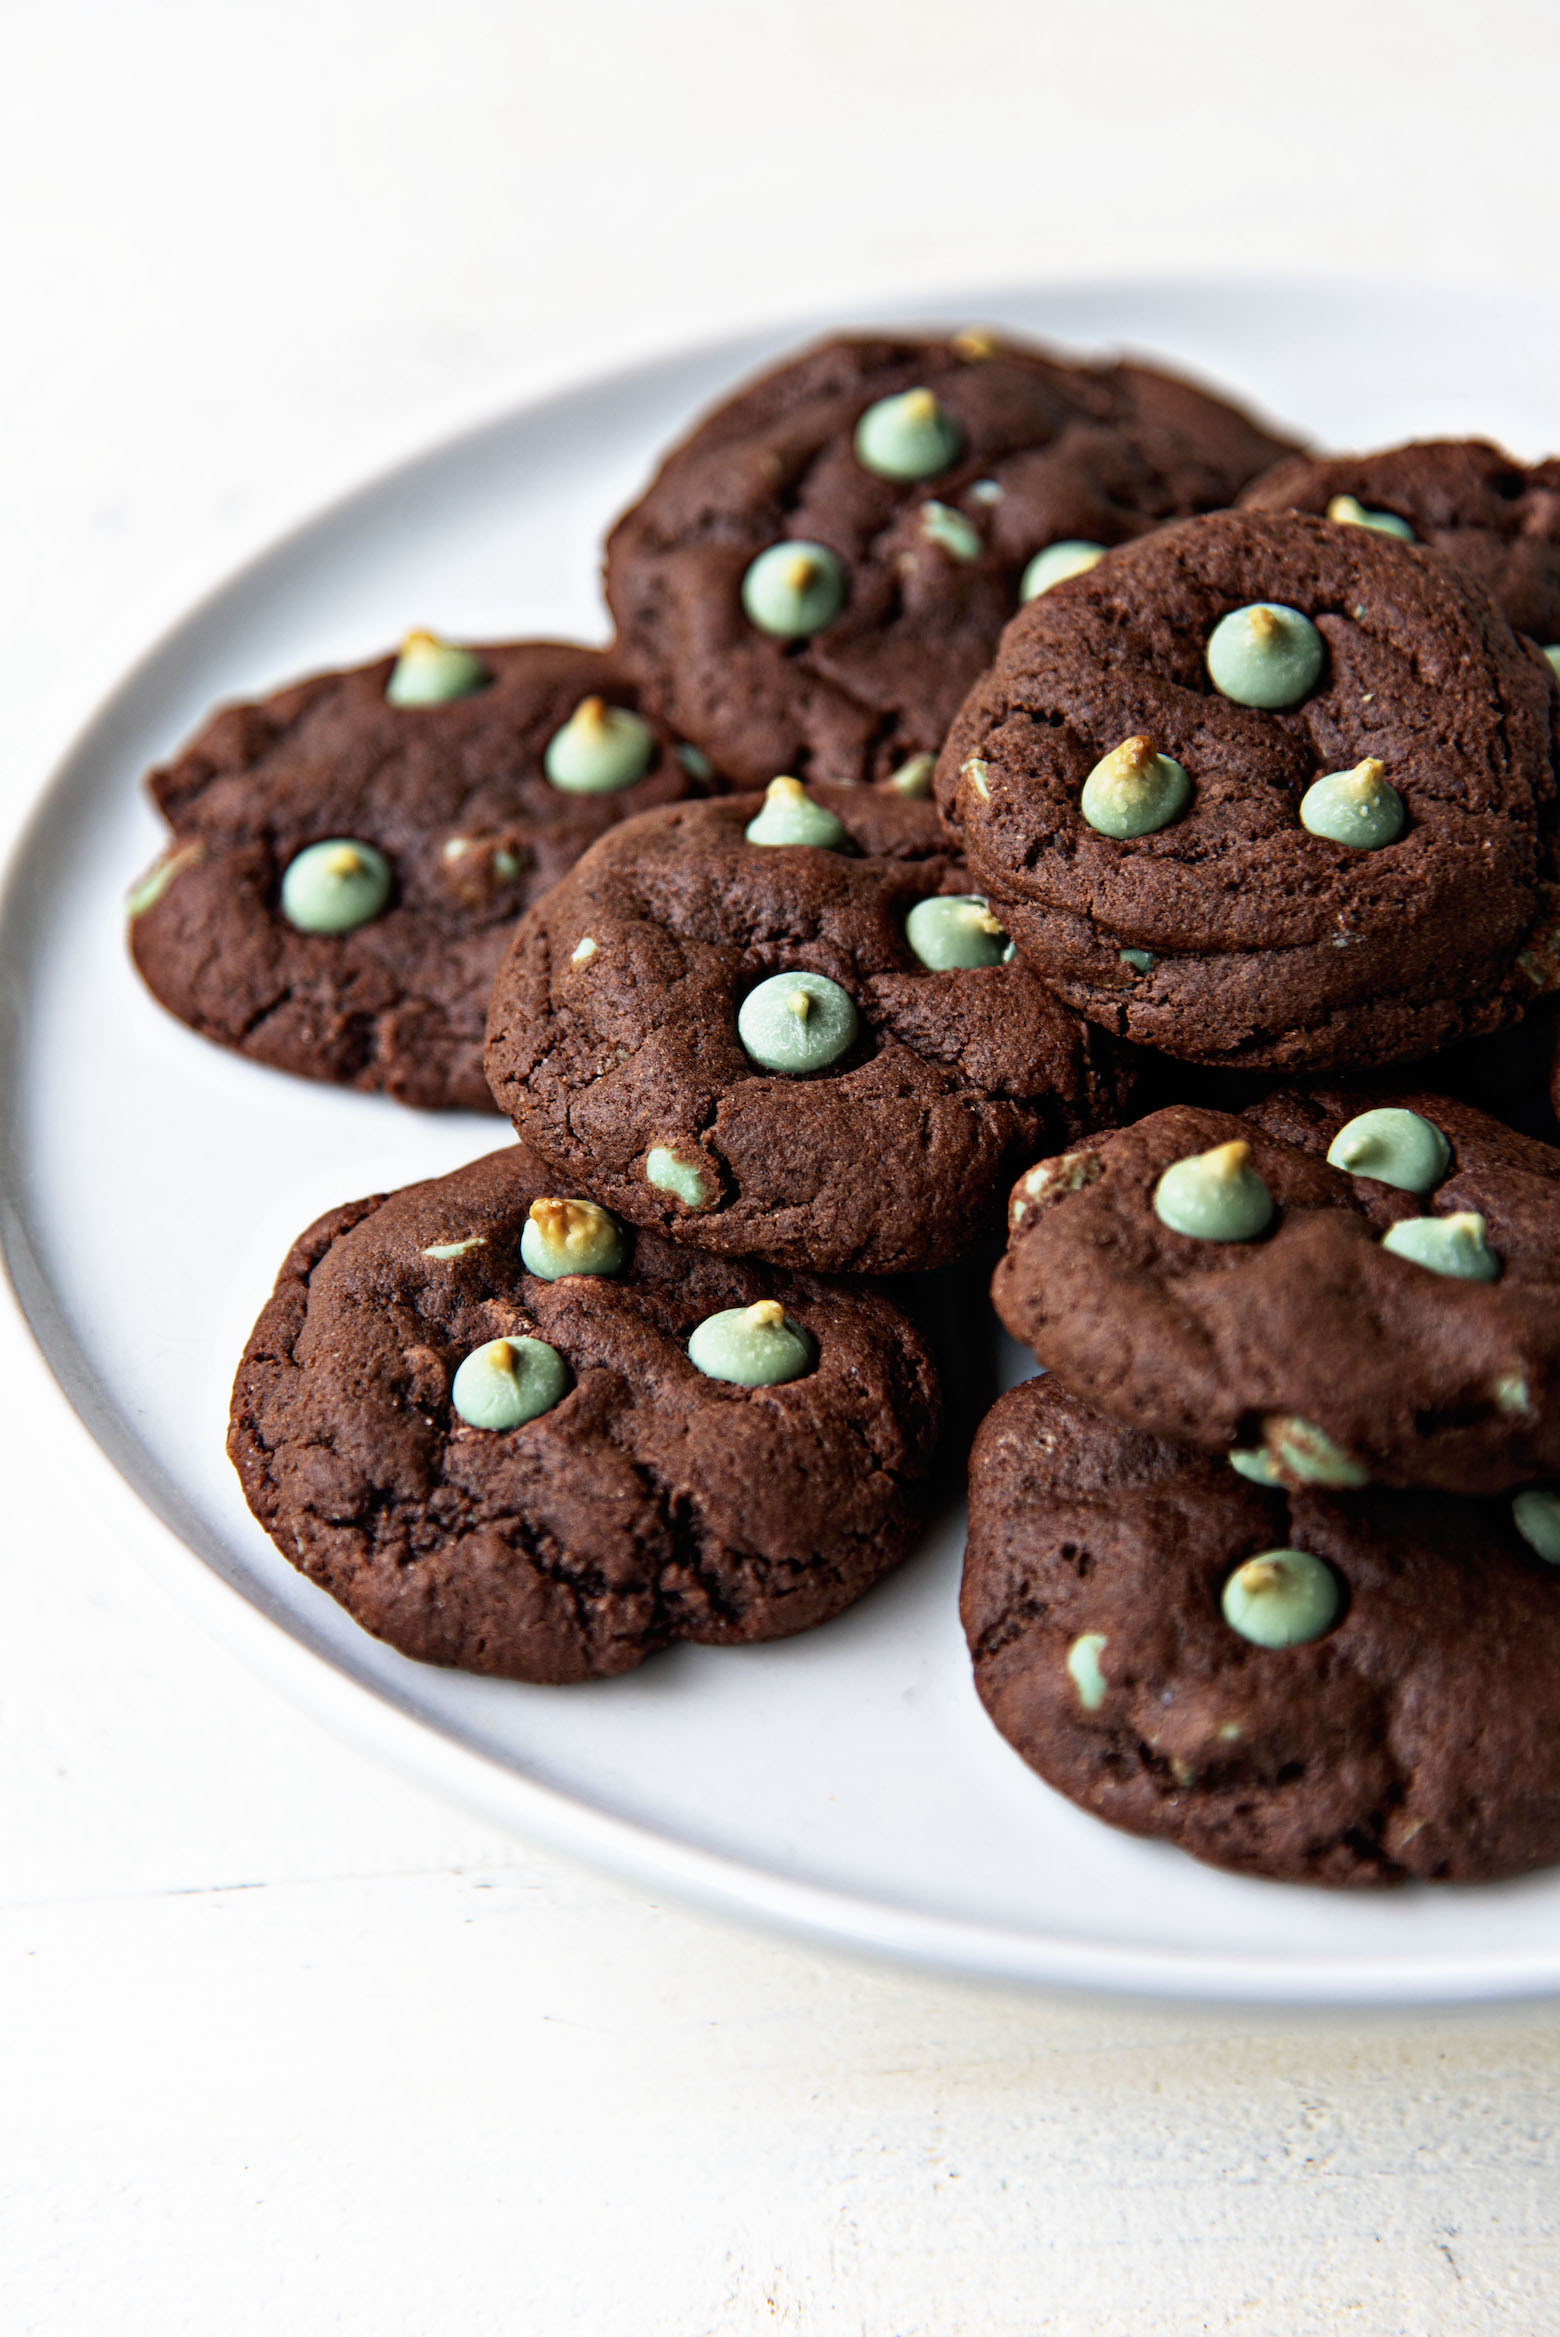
[(1265, 791), (509, 1435), (1332, 1288), (1349, 1689), (808, 1051), (1498, 522), (817, 574), (348, 857)]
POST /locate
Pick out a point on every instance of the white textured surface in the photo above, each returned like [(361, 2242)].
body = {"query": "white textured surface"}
[(284, 2044)]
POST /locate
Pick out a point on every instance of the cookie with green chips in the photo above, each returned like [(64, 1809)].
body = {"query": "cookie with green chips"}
[(348, 857), (786, 1027), (1330, 1289), (1317, 1686), (509, 1433)]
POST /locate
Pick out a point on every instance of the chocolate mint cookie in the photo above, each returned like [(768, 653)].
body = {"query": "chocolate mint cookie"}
[(349, 857), (511, 1435), (1351, 1689), (1332, 1288), (784, 1027), (1266, 791), (1498, 522), (819, 572)]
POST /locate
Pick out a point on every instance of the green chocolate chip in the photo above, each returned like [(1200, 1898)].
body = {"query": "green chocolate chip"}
[(1214, 1196), (956, 930), (913, 777), (1073, 557), (334, 886), (1284, 1598), (1255, 1462), (793, 589), (473, 1241), (986, 491), (1083, 1669), (674, 1173), (790, 816), (570, 1237), (907, 437), (951, 531), (1265, 655), (1536, 1516), (430, 672), (797, 1022), (584, 950), (1346, 511), (1303, 1454), (1512, 1394), (1553, 655), (1141, 961), (1393, 1147), (1355, 807), (752, 1346), (1447, 1245), (509, 1381), (599, 749), (1133, 791), (159, 877), (697, 765)]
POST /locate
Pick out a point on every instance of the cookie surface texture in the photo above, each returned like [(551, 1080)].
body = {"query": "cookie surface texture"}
[(1356, 875), (832, 450), (647, 1503), (624, 1019), (1465, 498), (1415, 1738), (452, 797), (1416, 1373)]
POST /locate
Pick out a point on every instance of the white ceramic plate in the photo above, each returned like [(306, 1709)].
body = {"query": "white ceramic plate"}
[(844, 1783)]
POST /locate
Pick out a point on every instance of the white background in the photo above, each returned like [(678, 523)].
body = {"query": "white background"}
[(282, 2043)]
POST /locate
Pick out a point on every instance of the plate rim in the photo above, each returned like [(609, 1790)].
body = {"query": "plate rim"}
[(353, 1708)]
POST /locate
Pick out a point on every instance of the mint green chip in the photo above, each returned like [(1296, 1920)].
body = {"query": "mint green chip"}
[(752, 1346), (1536, 1516), (1074, 556), (950, 531), (570, 1237), (797, 1023), (907, 437), (955, 932), (431, 672), (793, 589), (333, 886), (1348, 511), (1393, 1146), (1282, 1598), (1453, 1245), (600, 749), (1265, 655), (1214, 1196), (790, 816), (1133, 791), (507, 1382), (1357, 807)]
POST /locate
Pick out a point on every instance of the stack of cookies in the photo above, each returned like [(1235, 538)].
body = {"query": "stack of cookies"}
[(1014, 784)]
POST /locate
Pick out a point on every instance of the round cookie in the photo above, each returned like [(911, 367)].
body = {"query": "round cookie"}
[(1357, 868), (1325, 1335), (647, 1502), (451, 798), (928, 473), (1416, 1737), (737, 1042), (1498, 522)]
